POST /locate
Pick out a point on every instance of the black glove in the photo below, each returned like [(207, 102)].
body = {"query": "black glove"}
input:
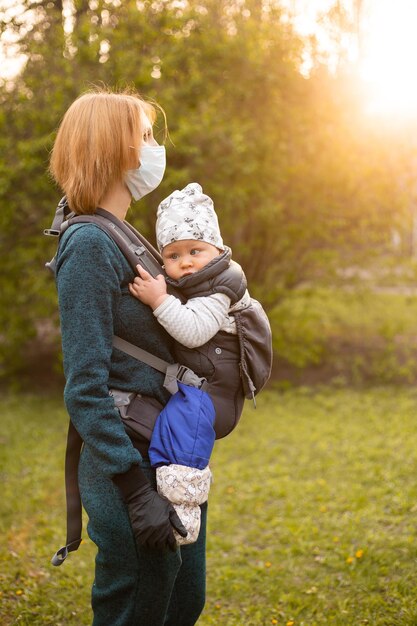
[(152, 516)]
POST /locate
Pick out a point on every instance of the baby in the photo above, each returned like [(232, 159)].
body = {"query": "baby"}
[(214, 287), (197, 263)]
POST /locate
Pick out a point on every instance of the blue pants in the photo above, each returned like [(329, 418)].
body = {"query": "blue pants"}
[(138, 587)]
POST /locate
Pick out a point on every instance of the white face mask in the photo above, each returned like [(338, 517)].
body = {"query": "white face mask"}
[(149, 174)]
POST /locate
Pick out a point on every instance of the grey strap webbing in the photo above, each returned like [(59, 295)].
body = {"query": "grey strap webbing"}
[(73, 499), (137, 250), (140, 354), (169, 369), (174, 372)]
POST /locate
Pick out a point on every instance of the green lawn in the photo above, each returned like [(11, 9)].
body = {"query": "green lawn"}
[(312, 517)]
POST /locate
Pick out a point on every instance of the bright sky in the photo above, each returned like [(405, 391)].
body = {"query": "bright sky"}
[(389, 52)]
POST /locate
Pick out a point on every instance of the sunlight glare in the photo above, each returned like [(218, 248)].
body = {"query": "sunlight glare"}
[(388, 67)]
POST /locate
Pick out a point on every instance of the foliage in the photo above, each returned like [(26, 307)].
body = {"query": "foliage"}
[(301, 184), (311, 517), (361, 336)]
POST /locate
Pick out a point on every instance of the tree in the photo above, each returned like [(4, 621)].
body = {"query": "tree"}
[(296, 186)]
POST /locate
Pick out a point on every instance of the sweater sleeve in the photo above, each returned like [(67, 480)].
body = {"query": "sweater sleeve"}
[(196, 321), (89, 275)]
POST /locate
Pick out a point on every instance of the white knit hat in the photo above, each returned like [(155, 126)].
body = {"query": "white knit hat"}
[(187, 214)]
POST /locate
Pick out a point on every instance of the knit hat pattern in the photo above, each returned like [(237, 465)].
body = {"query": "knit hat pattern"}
[(187, 214)]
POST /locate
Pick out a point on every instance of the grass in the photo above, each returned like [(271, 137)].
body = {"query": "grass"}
[(312, 514)]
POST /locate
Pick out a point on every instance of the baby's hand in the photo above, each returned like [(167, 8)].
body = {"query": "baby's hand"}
[(149, 290)]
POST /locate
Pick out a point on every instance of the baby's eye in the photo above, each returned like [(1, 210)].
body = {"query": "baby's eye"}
[(194, 251), (173, 256)]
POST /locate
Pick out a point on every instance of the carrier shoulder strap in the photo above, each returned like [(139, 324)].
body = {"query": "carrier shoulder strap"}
[(137, 250), (134, 246)]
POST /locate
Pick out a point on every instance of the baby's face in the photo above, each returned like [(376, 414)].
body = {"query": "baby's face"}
[(187, 256)]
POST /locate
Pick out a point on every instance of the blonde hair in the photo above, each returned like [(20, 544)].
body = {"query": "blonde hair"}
[(93, 147)]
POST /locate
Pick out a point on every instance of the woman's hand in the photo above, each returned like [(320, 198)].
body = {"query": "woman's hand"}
[(149, 290), (152, 517)]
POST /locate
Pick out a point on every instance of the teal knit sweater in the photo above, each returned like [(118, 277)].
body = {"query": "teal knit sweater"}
[(92, 278)]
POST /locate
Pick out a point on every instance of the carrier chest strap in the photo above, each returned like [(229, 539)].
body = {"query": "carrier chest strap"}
[(140, 354), (174, 372)]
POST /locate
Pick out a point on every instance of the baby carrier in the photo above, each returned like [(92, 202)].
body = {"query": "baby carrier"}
[(250, 351)]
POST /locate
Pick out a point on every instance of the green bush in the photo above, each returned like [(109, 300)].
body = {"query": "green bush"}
[(352, 336)]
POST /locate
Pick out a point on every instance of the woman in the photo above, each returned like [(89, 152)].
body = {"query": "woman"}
[(103, 155)]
